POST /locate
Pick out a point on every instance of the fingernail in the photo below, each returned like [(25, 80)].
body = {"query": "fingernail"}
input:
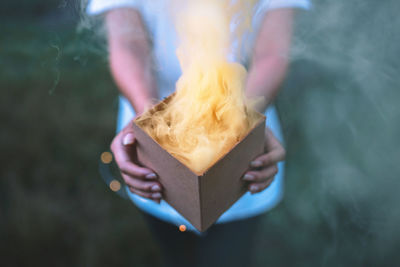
[(256, 163), (155, 187), (151, 175), (128, 139), (253, 188), (248, 177), (156, 195)]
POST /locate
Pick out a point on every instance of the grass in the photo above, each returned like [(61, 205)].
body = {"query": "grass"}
[(339, 108), (58, 114)]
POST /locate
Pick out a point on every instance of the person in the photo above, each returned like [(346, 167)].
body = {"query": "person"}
[(142, 43)]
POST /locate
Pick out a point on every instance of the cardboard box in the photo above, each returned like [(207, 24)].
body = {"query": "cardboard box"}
[(201, 198)]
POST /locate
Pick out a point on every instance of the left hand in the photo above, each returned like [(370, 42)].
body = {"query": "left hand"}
[(263, 168)]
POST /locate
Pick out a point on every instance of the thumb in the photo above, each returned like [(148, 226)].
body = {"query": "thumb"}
[(128, 139)]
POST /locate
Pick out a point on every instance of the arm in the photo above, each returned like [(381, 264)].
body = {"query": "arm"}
[(268, 69), (130, 57), (270, 56), (130, 63)]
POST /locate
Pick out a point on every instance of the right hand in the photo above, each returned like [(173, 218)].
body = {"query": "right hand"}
[(140, 180)]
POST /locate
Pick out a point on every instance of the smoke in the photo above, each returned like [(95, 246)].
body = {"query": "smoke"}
[(210, 91), (340, 114), (56, 46), (92, 31)]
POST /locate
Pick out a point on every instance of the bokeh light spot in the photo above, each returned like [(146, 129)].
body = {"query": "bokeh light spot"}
[(106, 157), (115, 185), (182, 228)]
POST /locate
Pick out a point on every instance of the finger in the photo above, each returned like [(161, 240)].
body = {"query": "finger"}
[(270, 158), (271, 142), (131, 169), (258, 187), (261, 175), (122, 154), (154, 196), (124, 138), (144, 186), (128, 139), (275, 150)]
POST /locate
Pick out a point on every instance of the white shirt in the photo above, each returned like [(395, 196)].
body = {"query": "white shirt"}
[(161, 28), (164, 38)]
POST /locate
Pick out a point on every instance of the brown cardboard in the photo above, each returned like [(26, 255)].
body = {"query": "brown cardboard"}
[(201, 199)]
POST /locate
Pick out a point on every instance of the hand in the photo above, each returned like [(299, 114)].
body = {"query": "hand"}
[(263, 168), (141, 181)]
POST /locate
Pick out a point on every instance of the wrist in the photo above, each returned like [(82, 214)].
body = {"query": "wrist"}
[(141, 105), (141, 95), (142, 102), (258, 100)]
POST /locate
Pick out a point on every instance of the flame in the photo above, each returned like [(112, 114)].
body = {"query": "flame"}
[(209, 113)]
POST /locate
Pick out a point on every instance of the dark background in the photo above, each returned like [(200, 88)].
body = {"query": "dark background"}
[(340, 113)]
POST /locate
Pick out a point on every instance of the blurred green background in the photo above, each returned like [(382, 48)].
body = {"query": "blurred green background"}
[(340, 113)]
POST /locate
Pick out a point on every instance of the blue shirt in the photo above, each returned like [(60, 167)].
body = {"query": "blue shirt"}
[(164, 38)]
